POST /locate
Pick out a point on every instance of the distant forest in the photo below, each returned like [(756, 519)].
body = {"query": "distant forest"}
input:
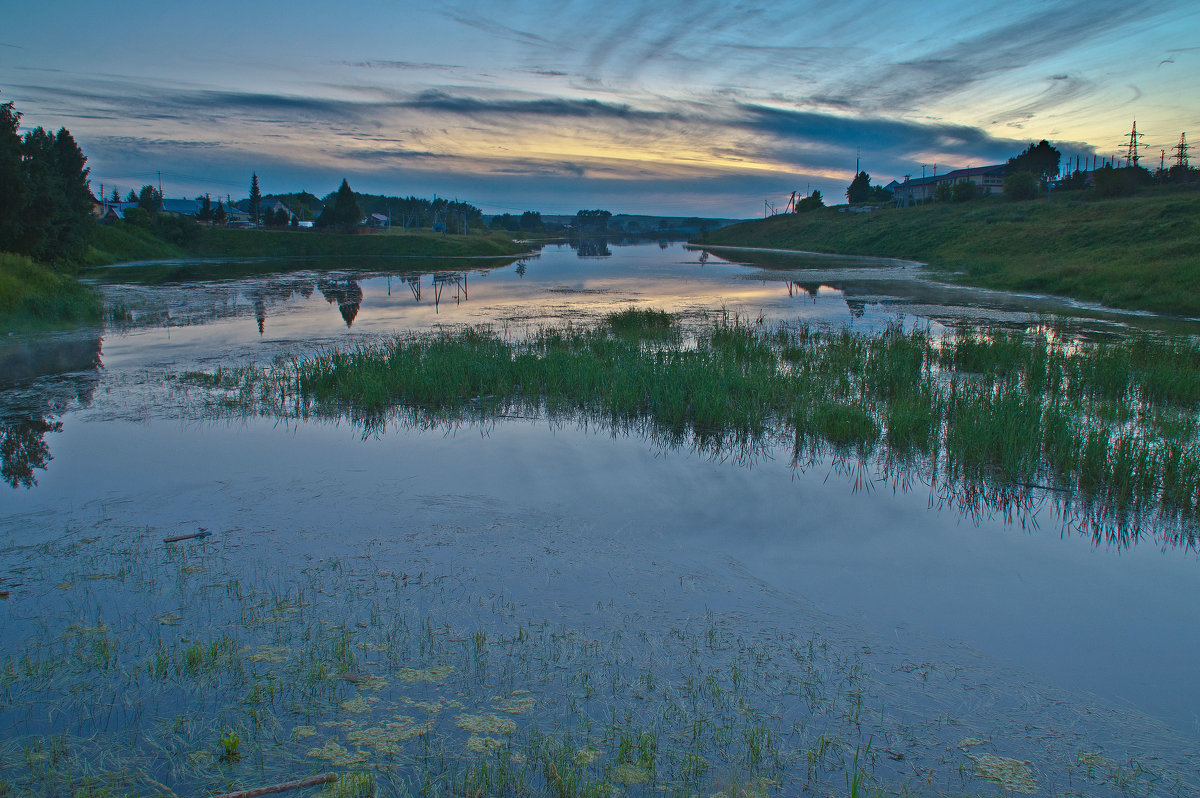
[(405, 212)]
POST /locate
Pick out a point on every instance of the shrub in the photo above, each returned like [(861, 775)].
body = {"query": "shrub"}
[(1020, 186), (965, 190)]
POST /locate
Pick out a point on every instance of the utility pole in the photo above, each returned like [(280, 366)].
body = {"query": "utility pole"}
[(160, 185)]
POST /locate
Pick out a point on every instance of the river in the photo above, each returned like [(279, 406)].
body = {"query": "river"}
[(960, 648)]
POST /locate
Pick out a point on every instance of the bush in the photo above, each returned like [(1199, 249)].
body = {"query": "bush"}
[(1111, 182), (1020, 186), (178, 230), (138, 217), (965, 190)]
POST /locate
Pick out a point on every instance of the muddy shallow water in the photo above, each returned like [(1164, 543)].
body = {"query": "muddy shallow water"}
[(605, 579)]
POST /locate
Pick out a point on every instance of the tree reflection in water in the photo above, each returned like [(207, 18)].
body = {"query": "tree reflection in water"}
[(23, 449), (66, 371), (347, 294)]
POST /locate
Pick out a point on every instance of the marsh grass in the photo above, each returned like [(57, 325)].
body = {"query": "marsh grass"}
[(34, 295), (1109, 427)]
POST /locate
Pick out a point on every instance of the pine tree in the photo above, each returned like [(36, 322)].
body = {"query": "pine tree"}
[(859, 189), (255, 198), (343, 212)]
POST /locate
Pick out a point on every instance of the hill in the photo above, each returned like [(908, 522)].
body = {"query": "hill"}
[(1139, 253)]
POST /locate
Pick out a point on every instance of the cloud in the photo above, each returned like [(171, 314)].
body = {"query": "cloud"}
[(407, 66)]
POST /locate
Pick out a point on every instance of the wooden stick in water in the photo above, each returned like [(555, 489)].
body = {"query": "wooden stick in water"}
[(203, 533), (311, 781)]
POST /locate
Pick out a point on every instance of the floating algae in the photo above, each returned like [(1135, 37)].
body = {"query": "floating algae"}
[(483, 745), (432, 707), (1011, 774), (630, 774), (271, 654), (587, 755), (437, 673), (335, 754), (359, 704), (485, 724), (300, 732), (386, 738), (515, 706)]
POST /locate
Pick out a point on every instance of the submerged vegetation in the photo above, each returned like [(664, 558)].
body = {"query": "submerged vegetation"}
[(196, 668), (1141, 252), (992, 420)]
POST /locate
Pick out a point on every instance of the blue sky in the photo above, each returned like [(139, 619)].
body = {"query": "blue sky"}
[(662, 108)]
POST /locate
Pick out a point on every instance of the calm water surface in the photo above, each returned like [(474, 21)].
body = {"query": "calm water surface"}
[(1038, 625)]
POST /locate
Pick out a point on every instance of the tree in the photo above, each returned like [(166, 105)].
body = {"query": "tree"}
[(149, 199), (219, 215), (46, 204), (505, 221), (116, 195), (1039, 159), (943, 192), (810, 203), (12, 197), (531, 220), (132, 196), (593, 220), (343, 212), (255, 198), (859, 190), (1020, 186), (205, 213)]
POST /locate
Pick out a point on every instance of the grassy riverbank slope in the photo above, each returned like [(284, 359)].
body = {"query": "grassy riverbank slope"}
[(1141, 252), (123, 243), (34, 295)]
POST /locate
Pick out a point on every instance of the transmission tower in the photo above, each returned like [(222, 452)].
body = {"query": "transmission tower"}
[(1181, 151), (1131, 153)]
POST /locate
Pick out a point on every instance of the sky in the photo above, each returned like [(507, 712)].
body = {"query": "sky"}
[(673, 108)]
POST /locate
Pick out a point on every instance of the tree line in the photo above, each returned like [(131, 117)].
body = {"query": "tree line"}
[(46, 205)]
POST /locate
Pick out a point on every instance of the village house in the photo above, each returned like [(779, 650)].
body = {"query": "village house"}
[(988, 179)]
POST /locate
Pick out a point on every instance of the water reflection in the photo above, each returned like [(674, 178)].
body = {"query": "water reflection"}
[(977, 496), (347, 294), (23, 448), (43, 378), (591, 247)]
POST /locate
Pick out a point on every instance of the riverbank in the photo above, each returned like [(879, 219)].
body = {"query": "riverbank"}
[(34, 295), (123, 243), (1137, 253)]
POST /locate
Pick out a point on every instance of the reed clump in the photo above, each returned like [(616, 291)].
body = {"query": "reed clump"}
[(1106, 421)]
